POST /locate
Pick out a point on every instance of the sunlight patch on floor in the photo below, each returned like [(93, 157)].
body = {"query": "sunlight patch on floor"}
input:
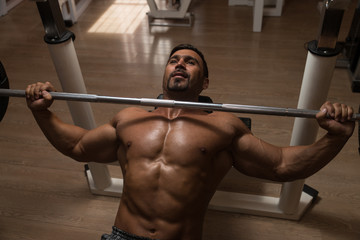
[(122, 17)]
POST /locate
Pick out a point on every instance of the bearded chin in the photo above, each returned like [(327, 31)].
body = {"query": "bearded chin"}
[(177, 86)]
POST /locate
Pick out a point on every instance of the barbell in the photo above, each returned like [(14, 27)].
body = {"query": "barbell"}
[(5, 93)]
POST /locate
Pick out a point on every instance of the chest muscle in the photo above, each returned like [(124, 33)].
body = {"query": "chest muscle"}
[(177, 142)]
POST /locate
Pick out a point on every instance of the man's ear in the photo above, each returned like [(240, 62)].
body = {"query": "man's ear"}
[(205, 83)]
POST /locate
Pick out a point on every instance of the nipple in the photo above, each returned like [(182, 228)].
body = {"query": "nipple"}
[(203, 150)]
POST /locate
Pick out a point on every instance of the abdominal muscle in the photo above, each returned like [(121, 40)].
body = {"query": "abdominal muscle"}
[(162, 203)]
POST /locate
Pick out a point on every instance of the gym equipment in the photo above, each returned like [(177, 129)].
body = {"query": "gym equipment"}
[(236, 108), (261, 8), (60, 43), (4, 83), (351, 52), (71, 10), (180, 14), (319, 68)]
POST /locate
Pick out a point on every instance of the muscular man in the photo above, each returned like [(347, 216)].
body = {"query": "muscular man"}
[(173, 159)]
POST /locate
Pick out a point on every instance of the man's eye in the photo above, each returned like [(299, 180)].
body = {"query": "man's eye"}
[(191, 62), (172, 61)]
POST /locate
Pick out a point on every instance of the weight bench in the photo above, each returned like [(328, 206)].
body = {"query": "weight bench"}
[(206, 99), (71, 10), (170, 14), (261, 9)]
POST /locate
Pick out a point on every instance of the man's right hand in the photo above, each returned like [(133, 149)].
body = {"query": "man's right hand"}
[(38, 97)]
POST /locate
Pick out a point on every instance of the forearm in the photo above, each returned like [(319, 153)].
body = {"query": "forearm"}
[(303, 161), (64, 137), (99, 145), (257, 158)]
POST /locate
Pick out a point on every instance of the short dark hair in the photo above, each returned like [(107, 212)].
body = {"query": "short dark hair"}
[(191, 47)]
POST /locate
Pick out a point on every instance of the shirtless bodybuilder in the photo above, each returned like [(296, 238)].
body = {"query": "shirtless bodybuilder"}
[(172, 160)]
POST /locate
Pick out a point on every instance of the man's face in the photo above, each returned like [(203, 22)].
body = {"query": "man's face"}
[(184, 71)]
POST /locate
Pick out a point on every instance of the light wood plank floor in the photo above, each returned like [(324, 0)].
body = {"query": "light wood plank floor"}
[(44, 195)]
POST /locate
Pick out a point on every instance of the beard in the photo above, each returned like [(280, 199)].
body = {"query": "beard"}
[(178, 84)]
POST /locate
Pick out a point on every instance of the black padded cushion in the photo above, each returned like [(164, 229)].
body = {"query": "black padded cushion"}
[(206, 99)]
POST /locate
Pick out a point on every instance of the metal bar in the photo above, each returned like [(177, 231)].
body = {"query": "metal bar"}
[(52, 19), (331, 17), (235, 108)]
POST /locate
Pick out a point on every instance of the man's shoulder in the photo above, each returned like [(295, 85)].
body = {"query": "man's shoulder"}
[(132, 110), (230, 120), (225, 116), (129, 113)]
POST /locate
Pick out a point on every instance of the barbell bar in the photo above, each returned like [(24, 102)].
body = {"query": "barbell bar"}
[(235, 108), (5, 93)]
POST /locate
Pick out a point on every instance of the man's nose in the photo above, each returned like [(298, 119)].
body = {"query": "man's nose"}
[(180, 64)]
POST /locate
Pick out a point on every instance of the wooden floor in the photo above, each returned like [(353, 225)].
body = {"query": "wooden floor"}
[(44, 195)]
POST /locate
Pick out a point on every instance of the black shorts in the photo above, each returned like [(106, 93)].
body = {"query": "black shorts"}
[(118, 234)]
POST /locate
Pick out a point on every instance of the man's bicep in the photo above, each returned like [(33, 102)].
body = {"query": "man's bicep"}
[(256, 158), (98, 145)]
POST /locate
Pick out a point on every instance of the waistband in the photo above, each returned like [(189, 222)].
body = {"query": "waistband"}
[(118, 234)]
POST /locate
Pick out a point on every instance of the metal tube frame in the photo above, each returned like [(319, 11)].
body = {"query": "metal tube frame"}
[(318, 72), (62, 51)]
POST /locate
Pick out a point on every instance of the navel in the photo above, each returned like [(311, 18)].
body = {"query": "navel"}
[(128, 144)]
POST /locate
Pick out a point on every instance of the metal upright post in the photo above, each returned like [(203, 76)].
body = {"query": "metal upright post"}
[(63, 54), (319, 68)]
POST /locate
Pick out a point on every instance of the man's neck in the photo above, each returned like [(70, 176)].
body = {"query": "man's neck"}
[(181, 97), (172, 113)]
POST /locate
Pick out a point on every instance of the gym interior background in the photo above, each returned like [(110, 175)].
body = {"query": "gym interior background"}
[(45, 195)]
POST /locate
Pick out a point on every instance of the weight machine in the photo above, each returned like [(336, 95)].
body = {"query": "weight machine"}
[(351, 52), (72, 9), (295, 197), (174, 15), (261, 8)]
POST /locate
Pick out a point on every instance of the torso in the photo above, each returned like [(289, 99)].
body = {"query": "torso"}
[(171, 168)]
